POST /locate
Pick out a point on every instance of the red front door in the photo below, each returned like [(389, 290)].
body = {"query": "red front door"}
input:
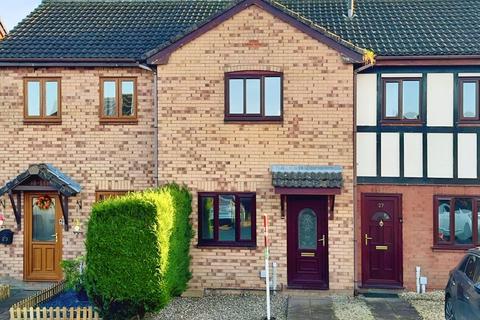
[(307, 242), (381, 240)]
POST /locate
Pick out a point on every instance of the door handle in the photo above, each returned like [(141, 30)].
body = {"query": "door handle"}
[(322, 240), (56, 237), (367, 238)]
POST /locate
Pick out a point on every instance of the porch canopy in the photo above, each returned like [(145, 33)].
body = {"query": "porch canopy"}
[(307, 180), (41, 178)]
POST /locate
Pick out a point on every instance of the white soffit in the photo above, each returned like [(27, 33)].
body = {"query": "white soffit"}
[(466, 74), (467, 155), (366, 154), (413, 155), (366, 112), (440, 155), (440, 99)]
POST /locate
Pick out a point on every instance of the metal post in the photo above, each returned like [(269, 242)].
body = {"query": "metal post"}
[(267, 267)]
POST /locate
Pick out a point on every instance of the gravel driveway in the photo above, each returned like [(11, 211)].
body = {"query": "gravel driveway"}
[(429, 305), (215, 307)]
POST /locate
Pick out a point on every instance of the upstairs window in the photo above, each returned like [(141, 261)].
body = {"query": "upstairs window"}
[(226, 219), (118, 99), (469, 96), (254, 96), (456, 221), (42, 100), (402, 100)]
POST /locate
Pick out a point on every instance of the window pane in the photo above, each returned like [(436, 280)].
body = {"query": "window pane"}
[(463, 221), (307, 229), (273, 96), (443, 220), (109, 98), (235, 91), (469, 99), (51, 98), (127, 98), (207, 205), (226, 217), (411, 99), (246, 209), (253, 96), (391, 99), (33, 99)]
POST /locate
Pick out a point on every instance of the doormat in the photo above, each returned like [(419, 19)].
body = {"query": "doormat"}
[(379, 295)]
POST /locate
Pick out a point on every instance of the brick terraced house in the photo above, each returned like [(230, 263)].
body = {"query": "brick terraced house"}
[(365, 169)]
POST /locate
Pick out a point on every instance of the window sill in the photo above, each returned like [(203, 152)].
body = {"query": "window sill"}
[(226, 246), (43, 121), (471, 123), (119, 121), (452, 247), (250, 120), (401, 123)]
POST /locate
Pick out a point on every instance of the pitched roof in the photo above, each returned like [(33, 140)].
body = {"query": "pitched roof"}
[(130, 30)]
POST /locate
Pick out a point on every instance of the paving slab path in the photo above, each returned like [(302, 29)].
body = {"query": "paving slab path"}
[(302, 308), (15, 296), (391, 308)]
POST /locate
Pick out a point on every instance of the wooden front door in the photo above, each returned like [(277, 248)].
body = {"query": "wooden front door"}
[(307, 242), (382, 262), (43, 237)]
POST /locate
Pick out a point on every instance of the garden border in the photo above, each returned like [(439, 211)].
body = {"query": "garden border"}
[(25, 309)]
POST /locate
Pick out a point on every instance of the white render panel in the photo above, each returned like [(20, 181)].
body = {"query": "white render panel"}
[(401, 75), (367, 99), (390, 154), (467, 155), (366, 154), (413, 155), (440, 155), (440, 99)]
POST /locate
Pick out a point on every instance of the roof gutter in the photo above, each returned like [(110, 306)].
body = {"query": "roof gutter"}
[(68, 62)]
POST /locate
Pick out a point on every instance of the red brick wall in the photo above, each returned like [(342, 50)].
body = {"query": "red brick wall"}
[(418, 211)]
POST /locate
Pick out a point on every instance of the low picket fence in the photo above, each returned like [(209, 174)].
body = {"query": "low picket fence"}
[(27, 310), (4, 291)]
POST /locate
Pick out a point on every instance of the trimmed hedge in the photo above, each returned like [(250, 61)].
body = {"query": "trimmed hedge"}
[(138, 251)]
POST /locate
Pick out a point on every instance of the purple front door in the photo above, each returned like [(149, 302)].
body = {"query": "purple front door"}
[(381, 240), (307, 242)]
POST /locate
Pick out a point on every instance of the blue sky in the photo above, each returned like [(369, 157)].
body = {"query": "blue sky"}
[(13, 11)]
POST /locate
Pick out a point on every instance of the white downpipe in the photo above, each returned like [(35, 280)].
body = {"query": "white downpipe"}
[(267, 264), (417, 277)]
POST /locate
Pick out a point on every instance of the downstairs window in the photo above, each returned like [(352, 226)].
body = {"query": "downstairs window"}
[(226, 219), (456, 221)]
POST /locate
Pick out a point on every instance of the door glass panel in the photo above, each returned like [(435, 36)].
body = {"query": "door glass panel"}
[(463, 220), (307, 229), (43, 219), (207, 218), (226, 218), (380, 216), (391, 99), (444, 220)]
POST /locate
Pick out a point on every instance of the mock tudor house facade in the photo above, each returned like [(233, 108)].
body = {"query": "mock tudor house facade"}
[(365, 166)]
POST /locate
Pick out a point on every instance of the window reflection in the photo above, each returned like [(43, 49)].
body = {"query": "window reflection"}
[(109, 98), (463, 221), (127, 98), (273, 96), (444, 220), (33, 98), (391, 99), (226, 216), (469, 96), (246, 209), (236, 96), (253, 95), (411, 100), (51, 98)]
